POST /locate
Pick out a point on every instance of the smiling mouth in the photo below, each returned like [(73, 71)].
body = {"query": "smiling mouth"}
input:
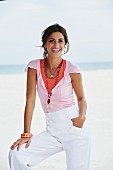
[(56, 50)]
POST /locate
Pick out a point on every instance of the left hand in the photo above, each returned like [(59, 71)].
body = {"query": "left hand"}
[(78, 121)]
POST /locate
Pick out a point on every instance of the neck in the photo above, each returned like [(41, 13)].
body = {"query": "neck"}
[(54, 62)]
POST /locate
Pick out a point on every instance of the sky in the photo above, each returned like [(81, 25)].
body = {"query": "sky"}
[(89, 24)]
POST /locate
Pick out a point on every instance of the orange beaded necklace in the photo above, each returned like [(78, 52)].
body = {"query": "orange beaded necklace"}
[(52, 75), (50, 83)]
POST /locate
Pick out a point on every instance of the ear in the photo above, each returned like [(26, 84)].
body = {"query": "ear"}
[(65, 46)]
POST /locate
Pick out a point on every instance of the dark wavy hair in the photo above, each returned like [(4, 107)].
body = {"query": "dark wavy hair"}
[(51, 29)]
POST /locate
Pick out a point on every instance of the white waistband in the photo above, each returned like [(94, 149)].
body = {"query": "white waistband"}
[(71, 111)]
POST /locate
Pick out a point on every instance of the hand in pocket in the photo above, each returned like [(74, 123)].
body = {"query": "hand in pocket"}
[(78, 121)]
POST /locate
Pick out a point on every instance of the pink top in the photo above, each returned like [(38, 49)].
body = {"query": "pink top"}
[(62, 93)]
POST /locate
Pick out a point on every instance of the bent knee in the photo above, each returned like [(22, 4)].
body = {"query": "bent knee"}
[(16, 157), (14, 154)]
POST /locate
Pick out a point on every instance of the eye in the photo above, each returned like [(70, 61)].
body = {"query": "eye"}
[(61, 40), (51, 40)]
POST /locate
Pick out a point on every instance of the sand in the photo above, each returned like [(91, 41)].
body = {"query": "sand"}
[(98, 87)]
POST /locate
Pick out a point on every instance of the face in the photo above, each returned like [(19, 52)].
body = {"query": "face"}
[(55, 44)]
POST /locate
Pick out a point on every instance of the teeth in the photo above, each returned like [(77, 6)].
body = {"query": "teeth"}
[(56, 50)]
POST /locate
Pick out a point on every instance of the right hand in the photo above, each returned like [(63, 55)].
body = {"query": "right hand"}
[(19, 142)]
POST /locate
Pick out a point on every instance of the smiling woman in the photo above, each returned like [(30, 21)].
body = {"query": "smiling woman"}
[(55, 44), (57, 80), (54, 36)]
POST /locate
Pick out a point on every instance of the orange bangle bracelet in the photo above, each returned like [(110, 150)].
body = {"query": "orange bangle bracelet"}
[(26, 135)]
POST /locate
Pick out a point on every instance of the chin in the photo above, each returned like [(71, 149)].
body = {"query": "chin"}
[(57, 56)]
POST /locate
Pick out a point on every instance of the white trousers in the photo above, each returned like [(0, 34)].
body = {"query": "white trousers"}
[(60, 135)]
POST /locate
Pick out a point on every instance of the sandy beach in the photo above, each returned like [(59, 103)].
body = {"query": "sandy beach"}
[(98, 87)]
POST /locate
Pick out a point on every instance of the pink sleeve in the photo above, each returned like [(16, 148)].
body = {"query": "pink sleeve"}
[(73, 68), (32, 64)]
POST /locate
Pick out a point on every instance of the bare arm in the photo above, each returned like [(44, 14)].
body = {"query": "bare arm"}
[(30, 99), (29, 107), (82, 105)]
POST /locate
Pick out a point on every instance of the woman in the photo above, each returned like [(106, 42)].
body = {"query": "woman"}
[(57, 80)]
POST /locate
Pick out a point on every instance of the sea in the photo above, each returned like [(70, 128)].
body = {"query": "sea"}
[(20, 69)]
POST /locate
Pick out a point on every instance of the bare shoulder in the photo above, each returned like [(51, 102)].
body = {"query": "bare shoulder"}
[(31, 83), (32, 73), (75, 76)]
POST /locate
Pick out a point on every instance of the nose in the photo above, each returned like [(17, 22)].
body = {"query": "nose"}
[(56, 44)]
